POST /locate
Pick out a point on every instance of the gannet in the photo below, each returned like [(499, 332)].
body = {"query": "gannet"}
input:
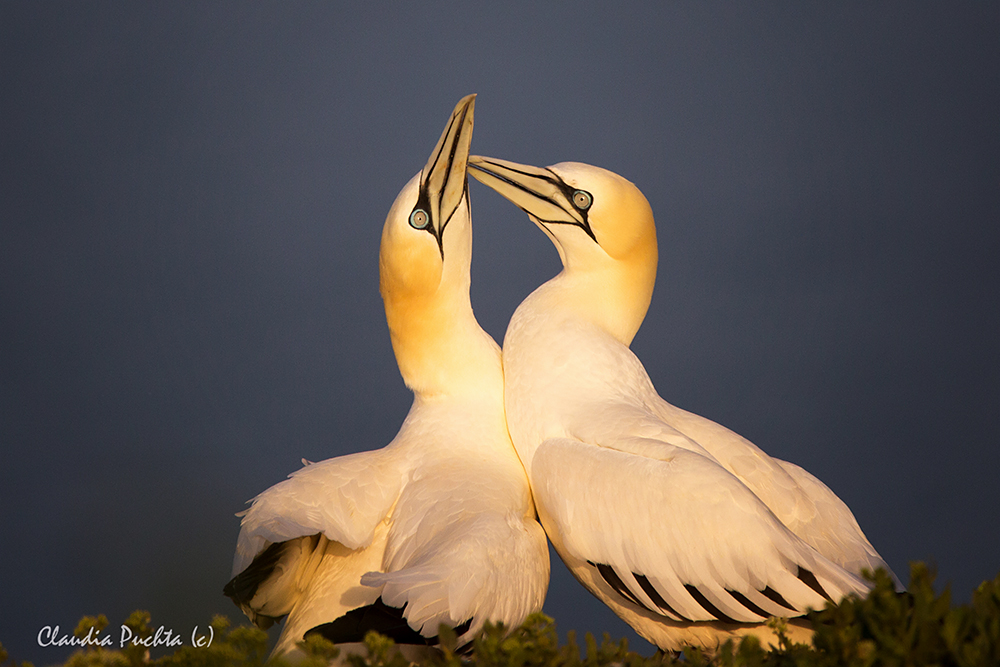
[(688, 531), (439, 525)]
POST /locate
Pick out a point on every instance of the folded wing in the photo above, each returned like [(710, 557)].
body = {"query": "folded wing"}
[(313, 527), (677, 534), (344, 499)]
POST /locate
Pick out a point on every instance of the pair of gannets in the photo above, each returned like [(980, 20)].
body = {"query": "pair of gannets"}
[(689, 532)]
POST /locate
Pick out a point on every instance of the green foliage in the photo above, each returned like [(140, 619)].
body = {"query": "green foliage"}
[(534, 644), (6, 660), (886, 628), (244, 645), (916, 628), (381, 653)]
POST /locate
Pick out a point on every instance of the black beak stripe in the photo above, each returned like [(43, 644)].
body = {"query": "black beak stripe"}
[(564, 189), (423, 198)]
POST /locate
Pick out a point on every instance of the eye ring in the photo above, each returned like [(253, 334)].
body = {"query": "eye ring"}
[(419, 219), (582, 200)]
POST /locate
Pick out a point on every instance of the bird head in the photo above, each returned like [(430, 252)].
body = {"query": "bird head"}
[(602, 227), (425, 259), (416, 252)]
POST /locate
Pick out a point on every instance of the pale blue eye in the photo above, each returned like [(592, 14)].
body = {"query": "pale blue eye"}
[(419, 218), (582, 200)]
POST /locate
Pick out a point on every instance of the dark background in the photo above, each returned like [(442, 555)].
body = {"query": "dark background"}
[(191, 199)]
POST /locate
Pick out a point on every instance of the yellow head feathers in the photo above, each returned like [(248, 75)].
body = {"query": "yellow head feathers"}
[(603, 228)]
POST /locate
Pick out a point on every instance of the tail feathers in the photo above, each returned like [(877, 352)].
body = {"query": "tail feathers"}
[(425, 592), (380, 617)]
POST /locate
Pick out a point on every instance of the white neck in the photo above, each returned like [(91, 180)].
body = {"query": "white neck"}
[(612, 297)]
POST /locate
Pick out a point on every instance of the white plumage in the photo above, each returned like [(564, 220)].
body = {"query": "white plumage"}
[(689, 532), (438, 526)]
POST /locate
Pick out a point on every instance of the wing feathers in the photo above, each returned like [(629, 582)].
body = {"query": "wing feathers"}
[(616, 583), (269, 587), (343, 498), (809, 579), (750, 606), (690, 542), (670, 587), (658, 600), (709, 607), (776, 597)]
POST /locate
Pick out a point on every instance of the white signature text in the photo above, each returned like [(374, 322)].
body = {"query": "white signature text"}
[(50, 636)]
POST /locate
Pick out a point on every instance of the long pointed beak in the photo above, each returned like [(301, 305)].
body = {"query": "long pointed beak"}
[(442, 181), (537, 191)]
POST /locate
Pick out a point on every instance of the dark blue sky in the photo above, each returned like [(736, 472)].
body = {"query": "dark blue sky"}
[(191, 199)]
